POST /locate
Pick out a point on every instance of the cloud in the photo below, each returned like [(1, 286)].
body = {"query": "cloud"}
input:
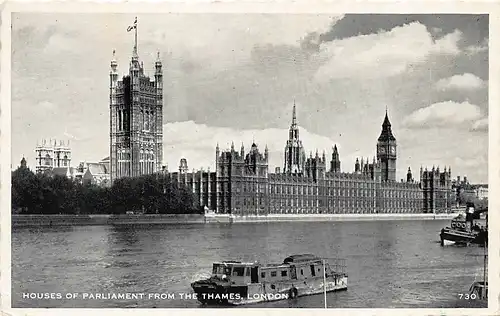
[(384, 54), (476, 49), (46, 105), (443, 114), (197, 143), (480, 125), (466, 81)]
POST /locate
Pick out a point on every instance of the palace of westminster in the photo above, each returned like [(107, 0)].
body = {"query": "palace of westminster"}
[(242, 183)]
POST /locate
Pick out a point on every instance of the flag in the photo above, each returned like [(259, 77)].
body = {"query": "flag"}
[(130, 28)]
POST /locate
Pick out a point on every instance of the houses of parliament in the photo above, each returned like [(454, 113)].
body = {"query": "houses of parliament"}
[(242, 183)]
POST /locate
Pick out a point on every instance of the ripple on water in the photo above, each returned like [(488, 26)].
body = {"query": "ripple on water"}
[(390, 264)]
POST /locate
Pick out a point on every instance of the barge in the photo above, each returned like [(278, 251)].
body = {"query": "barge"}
[(238, 283)]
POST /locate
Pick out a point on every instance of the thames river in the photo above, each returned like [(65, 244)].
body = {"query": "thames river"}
[(389, 263)]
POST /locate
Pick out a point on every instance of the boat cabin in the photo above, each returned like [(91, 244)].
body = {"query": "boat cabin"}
[(236, 272), (297, 267)]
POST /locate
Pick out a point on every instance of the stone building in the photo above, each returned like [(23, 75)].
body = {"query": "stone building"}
[(136, 119), (52, 154), (242, 185)]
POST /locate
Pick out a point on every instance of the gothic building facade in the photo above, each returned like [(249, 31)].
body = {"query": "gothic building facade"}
[(136, 119), (52, 154), (242, 185)]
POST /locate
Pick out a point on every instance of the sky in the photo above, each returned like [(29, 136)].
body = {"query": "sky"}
[(235, 77)]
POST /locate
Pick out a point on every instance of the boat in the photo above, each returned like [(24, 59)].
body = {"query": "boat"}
[(238, 283), (465, 230)]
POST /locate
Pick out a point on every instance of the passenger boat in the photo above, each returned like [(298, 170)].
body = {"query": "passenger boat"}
[(464, 230), (238, 283)]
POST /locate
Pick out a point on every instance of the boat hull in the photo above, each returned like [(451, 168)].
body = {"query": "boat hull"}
[(451, 236), (226, 294)]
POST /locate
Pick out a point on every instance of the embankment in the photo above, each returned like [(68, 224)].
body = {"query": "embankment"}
[(19, 221), (324, 217), (100, 220)]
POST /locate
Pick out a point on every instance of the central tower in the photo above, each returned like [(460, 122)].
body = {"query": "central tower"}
[(386, 151), (136, 118), (294, 151)]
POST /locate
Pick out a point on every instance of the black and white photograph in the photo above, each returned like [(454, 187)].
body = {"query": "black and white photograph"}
[(240, 159)]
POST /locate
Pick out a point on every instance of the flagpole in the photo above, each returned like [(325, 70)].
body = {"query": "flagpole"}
[(135, 29), (324, 281)]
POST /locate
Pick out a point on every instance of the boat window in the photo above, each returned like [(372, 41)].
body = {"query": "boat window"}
[(273, 273), (238, 271), (220, 269), (263, 275), (301, 272), (313, 273), (248, 272), (283, 273)]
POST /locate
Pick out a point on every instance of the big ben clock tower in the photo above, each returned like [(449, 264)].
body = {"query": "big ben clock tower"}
[(386, 151)]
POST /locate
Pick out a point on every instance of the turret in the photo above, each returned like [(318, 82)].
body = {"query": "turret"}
[(409, 177), (356, 166), (23, 163), (335, 162), (242, 151)]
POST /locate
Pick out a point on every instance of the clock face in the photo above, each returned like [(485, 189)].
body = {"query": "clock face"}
[(382, 150), (393, 150)]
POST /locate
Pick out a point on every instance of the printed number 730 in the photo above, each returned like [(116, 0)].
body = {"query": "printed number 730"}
[(467, 296)]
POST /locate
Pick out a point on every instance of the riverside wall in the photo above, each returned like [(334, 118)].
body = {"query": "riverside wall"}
[(104, 220), (19, 221)]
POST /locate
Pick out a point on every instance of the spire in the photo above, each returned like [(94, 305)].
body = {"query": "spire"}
[(335, 150), (386, 134), (294, 115)]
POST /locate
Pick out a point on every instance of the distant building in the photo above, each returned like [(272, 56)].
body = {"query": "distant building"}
[(51, 154), (23, 164), (481, 191), (68, 172), (96, 173), (136, 116), (241, 184)]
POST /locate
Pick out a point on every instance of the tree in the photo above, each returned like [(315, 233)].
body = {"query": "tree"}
[(45, 194)]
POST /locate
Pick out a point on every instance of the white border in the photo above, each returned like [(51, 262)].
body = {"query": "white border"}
[(430, 6)]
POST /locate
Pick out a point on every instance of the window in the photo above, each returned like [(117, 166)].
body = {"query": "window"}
[(283, 273), (263, 275), (301, 272), (247, 272), (238, 271), (273, 273)]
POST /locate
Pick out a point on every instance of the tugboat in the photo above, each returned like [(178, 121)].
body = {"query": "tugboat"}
[(465, 230), (238, 283)]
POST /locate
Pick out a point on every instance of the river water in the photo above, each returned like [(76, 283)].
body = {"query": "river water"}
[(389, 263)]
